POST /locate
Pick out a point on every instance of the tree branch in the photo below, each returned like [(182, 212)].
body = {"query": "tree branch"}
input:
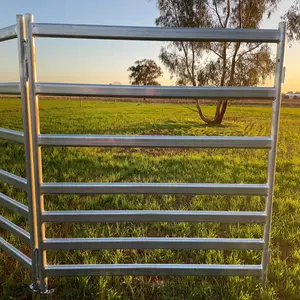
[(233, 63), (223, 110), (175, 13), (193, 60), (192, 79), (224, 58), (206, 120), (217, 13), (240, 13), (215, 52), (219, 17), (228, 13), (249, 50), (248, 15)]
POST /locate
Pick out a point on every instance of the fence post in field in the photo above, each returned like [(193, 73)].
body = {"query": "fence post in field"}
[(26, 116), (36, 151), (273, 152)]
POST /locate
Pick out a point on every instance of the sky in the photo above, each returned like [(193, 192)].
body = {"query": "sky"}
[(102, 61)]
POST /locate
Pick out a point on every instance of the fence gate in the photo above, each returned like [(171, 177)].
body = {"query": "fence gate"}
[(26, 32)]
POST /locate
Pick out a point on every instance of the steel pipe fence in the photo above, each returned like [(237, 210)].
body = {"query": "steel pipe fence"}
[(26, 31)]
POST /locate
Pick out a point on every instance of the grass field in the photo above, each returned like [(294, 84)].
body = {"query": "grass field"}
[(159, 165)]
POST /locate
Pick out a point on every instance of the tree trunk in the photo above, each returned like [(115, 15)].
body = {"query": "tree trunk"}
[(219, 115), (222, 104)]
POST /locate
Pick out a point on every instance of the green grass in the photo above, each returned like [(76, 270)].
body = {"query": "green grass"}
[(159, 165)]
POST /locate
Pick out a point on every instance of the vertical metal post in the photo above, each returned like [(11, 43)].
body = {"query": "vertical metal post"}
[(273, 152), (28, 146), (37, 161)]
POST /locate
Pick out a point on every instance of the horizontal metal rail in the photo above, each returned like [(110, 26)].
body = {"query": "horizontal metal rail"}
[(155, 188), (154, 270), (112, 216), (154, 33), (12, 135), (24, 260), (10, 88), (8, 33), (15, 230), (152, 243), (125, 91), (16, 181), (14, 205), (81, 140)]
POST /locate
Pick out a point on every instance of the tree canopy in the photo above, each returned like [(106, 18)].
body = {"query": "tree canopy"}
[(292, 16), (145, 72), (217, 64)]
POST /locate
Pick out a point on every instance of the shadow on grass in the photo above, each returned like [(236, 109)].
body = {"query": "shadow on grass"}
[(170, 126), (216, 125)]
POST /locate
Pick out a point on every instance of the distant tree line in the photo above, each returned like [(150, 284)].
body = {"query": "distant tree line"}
[(291, 92), (145, 72)]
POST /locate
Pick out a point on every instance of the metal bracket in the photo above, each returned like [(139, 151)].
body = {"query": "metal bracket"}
[(47, 292), (36, 254), (26, 60), (26, 70), (31, 286), (283, 75)]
